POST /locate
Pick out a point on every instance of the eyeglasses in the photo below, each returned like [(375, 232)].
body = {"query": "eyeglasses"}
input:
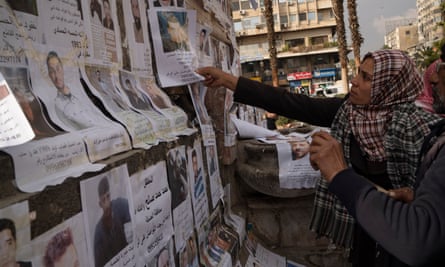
[(439, 65)]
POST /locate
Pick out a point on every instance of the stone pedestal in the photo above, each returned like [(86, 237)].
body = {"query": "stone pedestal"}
[(280, 217)]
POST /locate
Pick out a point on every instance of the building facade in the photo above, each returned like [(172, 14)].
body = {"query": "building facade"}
[(305, 40), (429, 14), (402, 37)]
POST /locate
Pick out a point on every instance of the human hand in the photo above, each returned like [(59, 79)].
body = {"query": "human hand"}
[(326, 155), (214, 78), (404, 194)]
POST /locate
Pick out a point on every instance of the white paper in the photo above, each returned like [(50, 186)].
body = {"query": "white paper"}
[(181, 202), (268, 258), (198, 92), (41, 163), (197, 183), (140, 101), (101, 41), (161, 102), (118, 198), (176, 60), (295, 171), (238, 223), (152, 209), (216, 243), (229, 126), (101, 82), (216, 188), (18, 214), (68, 236), (203, 48), (249, 130), (14, 127)]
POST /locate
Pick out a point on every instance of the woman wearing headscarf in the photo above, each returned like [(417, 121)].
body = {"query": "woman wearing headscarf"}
[(378, 124)]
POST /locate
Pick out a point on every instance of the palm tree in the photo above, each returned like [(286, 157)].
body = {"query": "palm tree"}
[(268, 14), (356, 37), (337, 6), (424, 57)]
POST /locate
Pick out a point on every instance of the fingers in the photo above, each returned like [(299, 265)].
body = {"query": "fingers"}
[(326, 154), (210, 75), (404, 194)]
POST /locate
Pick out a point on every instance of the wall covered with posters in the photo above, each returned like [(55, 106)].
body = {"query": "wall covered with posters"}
[(109, 156)]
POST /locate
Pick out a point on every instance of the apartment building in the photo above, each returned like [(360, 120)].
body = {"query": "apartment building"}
[(402, 34), (429, 14), (305, 40)]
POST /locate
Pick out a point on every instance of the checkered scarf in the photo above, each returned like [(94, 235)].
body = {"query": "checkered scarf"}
[(391, 128)]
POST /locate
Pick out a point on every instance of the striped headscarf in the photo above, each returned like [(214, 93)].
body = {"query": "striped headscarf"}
[(395, 81), (395, 127)]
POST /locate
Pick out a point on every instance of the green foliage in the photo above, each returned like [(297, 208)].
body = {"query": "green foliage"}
[(425, 56), (281, 121)]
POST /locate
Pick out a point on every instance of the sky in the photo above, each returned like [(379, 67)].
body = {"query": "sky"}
[(372, 15)]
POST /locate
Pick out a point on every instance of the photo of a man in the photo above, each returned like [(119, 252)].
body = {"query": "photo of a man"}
[(8, 245), (198, 101), (101, 81), (155, 94), (107, 21), (173, 29), (137, 24), (61, 251), (163, 259), (211, 159), (204, 42), (300, 148), (32, 109), (177, 177), (96, 11), (198, 188), (17, 78), (111, 234), (137, 99), (126, 61), (70, 110)]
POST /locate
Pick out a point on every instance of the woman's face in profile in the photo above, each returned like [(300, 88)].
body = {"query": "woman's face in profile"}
[(360, 93)]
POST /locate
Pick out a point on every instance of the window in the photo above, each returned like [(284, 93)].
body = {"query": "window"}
[(245, 5), (295, 42), (235, 6), (407, 33), (250, 23), (301, 1), (238, 26), (311, 16), (318, 40), (292, 18), (284, 19), (302, 16)]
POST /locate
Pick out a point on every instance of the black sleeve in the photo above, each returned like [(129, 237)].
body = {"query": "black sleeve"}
[(415, 232), (315, 111)]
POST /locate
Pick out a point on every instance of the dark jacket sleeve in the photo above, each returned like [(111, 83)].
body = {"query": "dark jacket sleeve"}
[(415, 232), (315, 111)]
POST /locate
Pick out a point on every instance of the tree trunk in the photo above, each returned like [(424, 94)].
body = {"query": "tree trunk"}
[(268, 14), (337, 6), (356, 37)]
